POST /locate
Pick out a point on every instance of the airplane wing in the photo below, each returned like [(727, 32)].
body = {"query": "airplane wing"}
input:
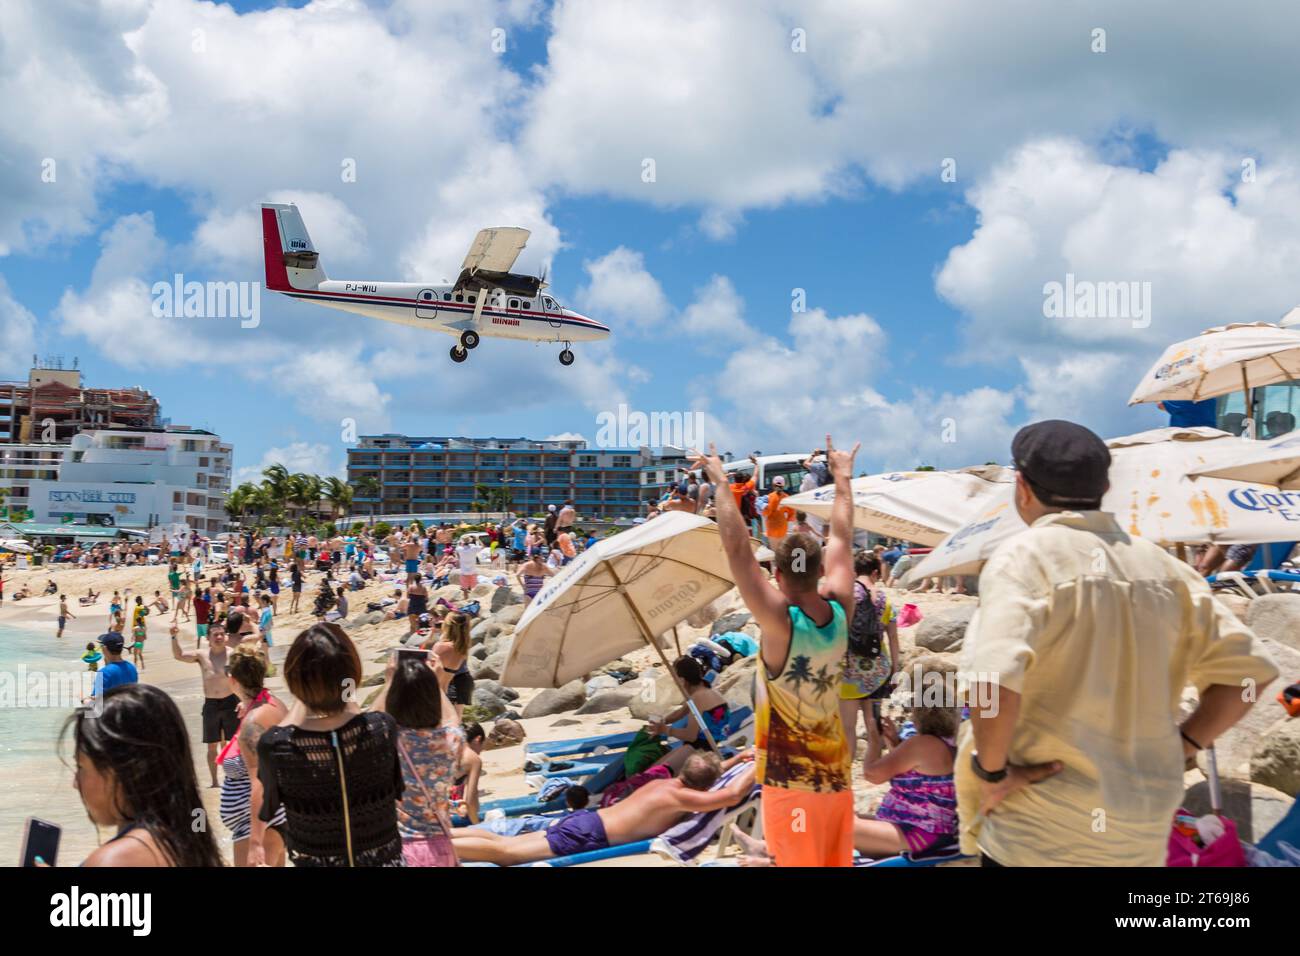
[(495, 249)]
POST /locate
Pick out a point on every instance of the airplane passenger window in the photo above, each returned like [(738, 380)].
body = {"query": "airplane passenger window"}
[(472, 299), (446, 297), (528, 304), (459, 297), (514, 303)]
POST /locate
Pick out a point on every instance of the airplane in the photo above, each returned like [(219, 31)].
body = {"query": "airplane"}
[(487, 299)]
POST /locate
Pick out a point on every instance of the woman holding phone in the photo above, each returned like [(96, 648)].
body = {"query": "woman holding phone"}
[(135, 772), (430, 753)]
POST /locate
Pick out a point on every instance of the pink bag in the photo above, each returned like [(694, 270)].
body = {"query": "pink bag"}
[(1225, 851), (909, 616)]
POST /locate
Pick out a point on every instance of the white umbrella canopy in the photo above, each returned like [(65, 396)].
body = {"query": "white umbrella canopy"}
[(918, 506), (17, 545), (1221, 360), (1152, 495), (616, 597), (1275, 463)]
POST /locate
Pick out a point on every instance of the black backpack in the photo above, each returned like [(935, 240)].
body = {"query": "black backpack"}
[(748, 502), (865, 629)]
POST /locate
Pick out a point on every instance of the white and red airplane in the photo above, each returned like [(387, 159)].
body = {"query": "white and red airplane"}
[(487, 298)]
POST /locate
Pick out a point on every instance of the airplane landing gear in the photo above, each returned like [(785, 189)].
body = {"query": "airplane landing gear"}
[(566, 357), (469, 339), (458, 354)]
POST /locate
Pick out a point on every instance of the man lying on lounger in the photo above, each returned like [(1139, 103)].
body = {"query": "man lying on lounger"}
[(646, 813)]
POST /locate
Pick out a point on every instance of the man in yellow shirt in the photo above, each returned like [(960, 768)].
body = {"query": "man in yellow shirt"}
[(1074, 667)]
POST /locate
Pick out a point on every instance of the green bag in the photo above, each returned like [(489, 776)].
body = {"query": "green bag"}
[(643, 751)]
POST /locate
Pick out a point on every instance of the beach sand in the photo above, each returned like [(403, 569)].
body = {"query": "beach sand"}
[(46, 790)]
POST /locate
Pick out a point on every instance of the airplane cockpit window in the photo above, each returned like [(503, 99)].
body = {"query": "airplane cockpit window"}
[(550, 303)]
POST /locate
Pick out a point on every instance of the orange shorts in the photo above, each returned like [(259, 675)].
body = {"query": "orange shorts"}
[(803, 828)]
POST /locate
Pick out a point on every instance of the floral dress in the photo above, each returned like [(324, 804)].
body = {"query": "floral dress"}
[(433, 753)]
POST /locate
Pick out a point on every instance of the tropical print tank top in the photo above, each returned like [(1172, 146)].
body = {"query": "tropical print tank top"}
[(800, 741)]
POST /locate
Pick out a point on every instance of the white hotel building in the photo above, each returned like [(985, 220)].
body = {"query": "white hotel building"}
[(129, 478)]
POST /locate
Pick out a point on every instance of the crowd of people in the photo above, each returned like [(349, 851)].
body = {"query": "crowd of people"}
[(1067, 699)]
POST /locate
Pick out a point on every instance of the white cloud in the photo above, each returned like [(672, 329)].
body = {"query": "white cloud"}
[(308, 458), (235, 238), (716, 313), (17, 333), (622, 292), (565, 436)]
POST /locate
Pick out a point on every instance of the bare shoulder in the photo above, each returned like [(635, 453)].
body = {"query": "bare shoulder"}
[(137, 848)]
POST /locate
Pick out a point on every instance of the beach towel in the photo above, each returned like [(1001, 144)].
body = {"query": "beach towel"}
[(687, 840), (618, 791)]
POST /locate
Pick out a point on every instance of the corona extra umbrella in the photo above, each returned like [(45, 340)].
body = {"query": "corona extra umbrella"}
[(1152, 495), (1227, 358), (1275, 463), (623, 593), (919, 506)]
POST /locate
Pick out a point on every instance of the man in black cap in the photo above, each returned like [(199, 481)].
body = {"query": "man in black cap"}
[(1075, 666)]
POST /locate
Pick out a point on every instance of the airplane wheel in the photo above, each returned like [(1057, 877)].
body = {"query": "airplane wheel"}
[(458, 354), (566, 357), (469, 339)]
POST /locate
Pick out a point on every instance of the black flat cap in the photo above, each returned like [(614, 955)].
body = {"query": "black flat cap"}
[(1065, 464)]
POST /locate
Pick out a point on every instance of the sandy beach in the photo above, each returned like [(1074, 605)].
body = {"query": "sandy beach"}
[(46, 788)]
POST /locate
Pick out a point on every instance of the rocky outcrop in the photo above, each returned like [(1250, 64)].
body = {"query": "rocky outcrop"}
[(944, 629), (556, 700), (1275, 761)]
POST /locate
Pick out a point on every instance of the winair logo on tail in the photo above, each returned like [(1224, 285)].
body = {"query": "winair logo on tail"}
[(133, 910)]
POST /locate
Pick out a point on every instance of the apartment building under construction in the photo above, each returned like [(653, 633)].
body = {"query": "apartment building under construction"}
[(52, 406)]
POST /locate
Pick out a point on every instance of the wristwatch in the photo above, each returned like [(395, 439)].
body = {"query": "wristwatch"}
[(989, 776)]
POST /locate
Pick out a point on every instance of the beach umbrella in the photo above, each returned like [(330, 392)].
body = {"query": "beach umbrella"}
[(621, 594), (1152, 495), (1224, 359), (919, 506), (1275, 463), (16, 545)]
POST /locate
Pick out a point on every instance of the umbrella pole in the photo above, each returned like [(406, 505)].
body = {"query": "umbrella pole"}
[(649, 639), (1245, 390), (677, 643), (1181, 550)]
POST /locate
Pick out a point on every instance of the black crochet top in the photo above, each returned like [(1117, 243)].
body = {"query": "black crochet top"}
[(300, 769)]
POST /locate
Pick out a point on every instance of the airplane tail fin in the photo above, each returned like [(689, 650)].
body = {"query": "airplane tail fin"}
[(292, 262)]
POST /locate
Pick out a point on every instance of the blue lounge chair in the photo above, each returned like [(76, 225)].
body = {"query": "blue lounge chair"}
[(580, 745), (609, 853), (945, 852)]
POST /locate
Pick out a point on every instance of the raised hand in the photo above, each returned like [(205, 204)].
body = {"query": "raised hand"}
[(839, 462)]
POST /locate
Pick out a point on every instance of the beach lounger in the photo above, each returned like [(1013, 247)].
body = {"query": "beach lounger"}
[(684, 842), (580, 745)]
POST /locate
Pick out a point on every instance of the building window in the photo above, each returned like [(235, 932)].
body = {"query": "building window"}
[(622, 461), (586, 461)]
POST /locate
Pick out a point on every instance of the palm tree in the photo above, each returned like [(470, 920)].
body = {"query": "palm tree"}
[(367, 486), (240, 500), (799, 674), (305, 491), (339, 494)]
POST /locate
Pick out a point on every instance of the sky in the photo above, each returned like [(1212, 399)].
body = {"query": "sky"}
[(798, 218)]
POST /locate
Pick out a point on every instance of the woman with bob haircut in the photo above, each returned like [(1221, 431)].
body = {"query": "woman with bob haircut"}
[(334, 768)]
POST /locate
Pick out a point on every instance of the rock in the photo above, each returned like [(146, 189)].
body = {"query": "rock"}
[(1254, 807), (509, 615), (505, 733), (1276, 617), (608, 699), (620, 666), (1235, 746), (479, 651), (497, 645), (489, 703), (481, 631), (374, 680), (565, 722), (731, 622), (600, 682), (736, 683), (489, 668), (943, 629), (556, 700), (513, 715), (653, 695), (1276, 760), (448, 592), (502, 598), (496, 687)]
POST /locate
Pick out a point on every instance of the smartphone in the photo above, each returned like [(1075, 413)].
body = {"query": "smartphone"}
[(412, 652), (41, 839)]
